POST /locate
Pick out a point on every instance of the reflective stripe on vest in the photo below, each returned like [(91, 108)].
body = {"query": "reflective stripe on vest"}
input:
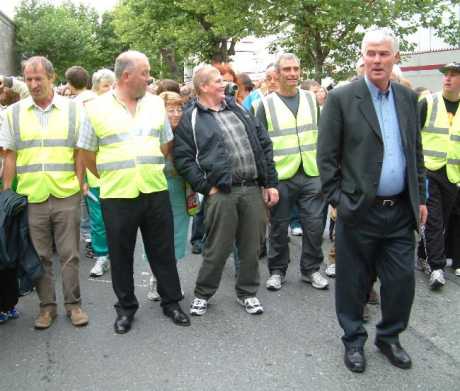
[(441, 139), (129, 159), (45, 166), (68, 142), (294, 138)]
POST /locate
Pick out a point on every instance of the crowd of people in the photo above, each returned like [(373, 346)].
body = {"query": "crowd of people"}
[(250, 162)]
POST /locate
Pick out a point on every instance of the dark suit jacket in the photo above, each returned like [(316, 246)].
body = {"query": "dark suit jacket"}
[(350, 149)]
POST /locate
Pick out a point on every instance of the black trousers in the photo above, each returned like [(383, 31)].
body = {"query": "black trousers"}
[(9, 292), (383, 244), (441, 199), (151, 213), (453, 235)]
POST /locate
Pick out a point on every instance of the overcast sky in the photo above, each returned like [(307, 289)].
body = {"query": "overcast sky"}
[(7, 6)]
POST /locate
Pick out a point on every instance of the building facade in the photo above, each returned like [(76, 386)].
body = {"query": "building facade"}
[(7, 51)]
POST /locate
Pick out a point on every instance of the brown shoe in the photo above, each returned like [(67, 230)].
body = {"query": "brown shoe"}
[(78, 317), (45, 319)]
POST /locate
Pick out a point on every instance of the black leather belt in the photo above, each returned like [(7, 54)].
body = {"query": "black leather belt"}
[(251, 182), (388, 201)]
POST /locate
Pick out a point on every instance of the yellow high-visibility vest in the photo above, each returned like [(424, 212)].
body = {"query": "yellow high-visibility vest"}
[(129, 159), (441, 138), (294, 138), (45, 163)]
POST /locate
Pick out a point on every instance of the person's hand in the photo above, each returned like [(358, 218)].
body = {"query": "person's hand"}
[(213, 190), (85, 189), (271, 196), (423, 214)]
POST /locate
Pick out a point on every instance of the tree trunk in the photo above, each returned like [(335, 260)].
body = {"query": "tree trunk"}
[(175, 71)]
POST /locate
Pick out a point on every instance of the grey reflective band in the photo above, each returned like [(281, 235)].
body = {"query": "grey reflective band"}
[(312, 108), (273, 116), (290, 151), (116, 165), (434, 113), (453, 161), (16, 110), (68, 142), (114, 139), (122, 137), (289, 131), (455, 137), (429, 129), (427, 152), (150, 160), (45, 167)]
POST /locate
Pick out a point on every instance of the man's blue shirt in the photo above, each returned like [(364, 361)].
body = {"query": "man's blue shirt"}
[(393, 174)]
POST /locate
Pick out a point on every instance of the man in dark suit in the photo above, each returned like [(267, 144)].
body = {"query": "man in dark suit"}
[(371, 168)]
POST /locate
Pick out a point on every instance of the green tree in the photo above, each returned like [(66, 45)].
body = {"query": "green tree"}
[(66, 34), (171, 32), (326, 34)]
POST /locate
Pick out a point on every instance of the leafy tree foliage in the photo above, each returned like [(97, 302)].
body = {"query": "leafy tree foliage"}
[(67, 34), (173, 31), (326, 34)]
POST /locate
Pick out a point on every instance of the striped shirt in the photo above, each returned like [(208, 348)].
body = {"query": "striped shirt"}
[(7, 137)]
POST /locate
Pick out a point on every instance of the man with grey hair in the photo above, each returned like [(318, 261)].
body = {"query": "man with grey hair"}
[(371, 168), (40, 135), (290, 116), (222, 151), (124, 145)]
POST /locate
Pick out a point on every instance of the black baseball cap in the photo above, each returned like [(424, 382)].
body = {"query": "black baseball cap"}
[(452, 66)]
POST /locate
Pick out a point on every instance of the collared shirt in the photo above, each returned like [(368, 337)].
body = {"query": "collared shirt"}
[(237, 144), (89, 141), (393, 174), (7, 137)]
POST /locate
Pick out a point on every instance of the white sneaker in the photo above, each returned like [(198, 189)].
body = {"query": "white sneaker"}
[(316, 280), (457, 272), (100, 267), (251, 305), (296, 231), (274, 282), (152, 294), (330, 270), (437, 280), (198, 306)]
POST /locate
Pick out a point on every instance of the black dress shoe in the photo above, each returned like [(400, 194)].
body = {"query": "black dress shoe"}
[(395, 353), (122, 324), (354, 359), (177, 315)]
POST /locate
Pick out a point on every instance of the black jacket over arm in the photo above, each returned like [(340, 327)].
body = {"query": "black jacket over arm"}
[(350, 149), (210, 165)]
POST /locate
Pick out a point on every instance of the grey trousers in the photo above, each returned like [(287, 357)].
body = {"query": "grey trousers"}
[(237, 217), (58, 220), (304, 191)]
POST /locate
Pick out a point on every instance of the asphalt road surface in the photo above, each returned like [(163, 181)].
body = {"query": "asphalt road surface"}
[(294, 345)]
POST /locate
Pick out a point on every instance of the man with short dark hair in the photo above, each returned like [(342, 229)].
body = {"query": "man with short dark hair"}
[(440, 119), (39, 136), (291, 117)]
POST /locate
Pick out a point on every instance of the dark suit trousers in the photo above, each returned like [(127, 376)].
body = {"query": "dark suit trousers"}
[(9, 291), (151, 213), (441, 200), (382, 243)]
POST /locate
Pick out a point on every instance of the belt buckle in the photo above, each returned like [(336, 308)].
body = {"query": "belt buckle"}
[(389, 203)]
